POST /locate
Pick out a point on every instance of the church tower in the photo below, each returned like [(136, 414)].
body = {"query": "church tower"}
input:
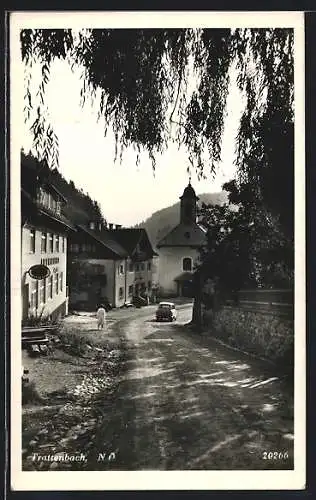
[(188, 208), (179, 249)]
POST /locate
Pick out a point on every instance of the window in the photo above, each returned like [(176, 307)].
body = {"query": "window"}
[(61, 281), (63, 244), (131, 267), (187, 264), (53, 204), (33, 301), (43, 197), (136, 267), (130, 290), (44, 243), (74, 247), (56, 284), (57, 243), (58, 207), (97, 269), (42, 291), (51, 243), (32, 240), (92, 225), (50, 286), (121, 269), (149, 266), (149, 285), (142, 266), (121, 292)]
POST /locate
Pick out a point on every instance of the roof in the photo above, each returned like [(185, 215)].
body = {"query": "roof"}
[(128, 238), (189, 192), (188, 235), (186, 276), (39, 171), (44, 211), (78, 207), (52, 186), (59, 218), (104, 237)]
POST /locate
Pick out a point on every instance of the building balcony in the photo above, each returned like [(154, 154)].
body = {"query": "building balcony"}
[(54, 211)]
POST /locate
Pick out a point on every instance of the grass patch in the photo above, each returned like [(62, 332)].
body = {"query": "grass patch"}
[(30, 394), (72, 343)]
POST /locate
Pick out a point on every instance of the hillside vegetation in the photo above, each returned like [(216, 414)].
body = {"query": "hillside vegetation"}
[(162, 221)]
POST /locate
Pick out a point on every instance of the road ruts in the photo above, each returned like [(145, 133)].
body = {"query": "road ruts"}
[(182, 405)]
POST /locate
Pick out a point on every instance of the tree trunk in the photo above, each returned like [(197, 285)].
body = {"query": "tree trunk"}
[(197, 304), (197, 314)]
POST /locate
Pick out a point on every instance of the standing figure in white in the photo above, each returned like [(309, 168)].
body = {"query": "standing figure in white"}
[(101, 314)]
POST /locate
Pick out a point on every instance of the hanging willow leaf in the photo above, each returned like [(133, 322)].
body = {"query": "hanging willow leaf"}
[(140, 77)]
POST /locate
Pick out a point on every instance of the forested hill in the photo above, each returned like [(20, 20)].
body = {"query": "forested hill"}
[(80, 208), (162, 221)]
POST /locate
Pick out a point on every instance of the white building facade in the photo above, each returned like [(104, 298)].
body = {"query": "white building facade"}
[(44, 235), (179, 249)]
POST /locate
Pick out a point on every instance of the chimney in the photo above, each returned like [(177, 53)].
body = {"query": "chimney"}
[(118, 226), (110, 226)]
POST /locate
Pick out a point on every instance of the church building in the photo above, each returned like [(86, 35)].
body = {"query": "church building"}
[(178, 250)]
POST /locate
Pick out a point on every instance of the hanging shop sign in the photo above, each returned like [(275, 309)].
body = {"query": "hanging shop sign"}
[(39, 272)]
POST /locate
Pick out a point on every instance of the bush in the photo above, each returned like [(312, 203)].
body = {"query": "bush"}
[(39, 320), (72, 343), (29, 393), (264, 335)]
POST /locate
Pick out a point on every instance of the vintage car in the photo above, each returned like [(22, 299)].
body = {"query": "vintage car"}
[(166, 311)]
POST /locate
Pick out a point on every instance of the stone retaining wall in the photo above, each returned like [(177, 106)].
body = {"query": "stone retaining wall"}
[(264, 335)]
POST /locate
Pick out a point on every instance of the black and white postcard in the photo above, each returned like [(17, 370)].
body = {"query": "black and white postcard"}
[(157, 176)]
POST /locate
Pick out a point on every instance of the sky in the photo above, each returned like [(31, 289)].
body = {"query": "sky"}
[(127, 193)]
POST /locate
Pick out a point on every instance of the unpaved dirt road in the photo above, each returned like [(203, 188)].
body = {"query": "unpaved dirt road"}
[(183, 404)]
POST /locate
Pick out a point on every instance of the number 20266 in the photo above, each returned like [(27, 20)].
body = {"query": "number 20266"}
[(275, 455)]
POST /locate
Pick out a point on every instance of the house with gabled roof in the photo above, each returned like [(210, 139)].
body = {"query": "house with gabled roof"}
[(140, 262), (179, 249), (45, 230), (104, 262), (117, 262)]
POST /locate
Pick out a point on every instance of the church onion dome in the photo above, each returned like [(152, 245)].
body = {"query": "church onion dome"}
[(189, 192)]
